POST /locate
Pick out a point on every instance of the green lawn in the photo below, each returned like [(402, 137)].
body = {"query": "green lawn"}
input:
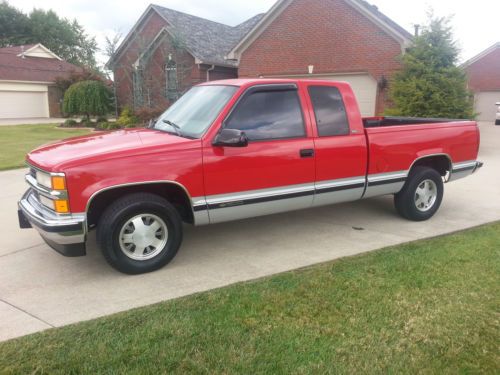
[(17, 140), (430, 307)]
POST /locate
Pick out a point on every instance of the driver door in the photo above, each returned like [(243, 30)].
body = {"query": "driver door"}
[(275, 171)]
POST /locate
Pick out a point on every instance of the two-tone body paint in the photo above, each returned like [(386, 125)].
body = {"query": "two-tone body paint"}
[(267, 176)]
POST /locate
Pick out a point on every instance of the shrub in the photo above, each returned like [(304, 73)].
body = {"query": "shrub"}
[(101, 119), (87, 98), (144, 114), (86, 122), (102, 126), (127, 118), (69, 123), (113, 126)]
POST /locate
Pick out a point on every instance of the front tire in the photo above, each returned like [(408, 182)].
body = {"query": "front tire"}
[(139, 233), (421, 195)]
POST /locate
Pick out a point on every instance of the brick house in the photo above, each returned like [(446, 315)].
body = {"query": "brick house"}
[(166, 51), (27, 82), (483, 72)]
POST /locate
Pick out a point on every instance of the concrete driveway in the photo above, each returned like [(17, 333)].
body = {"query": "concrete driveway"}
[(40, 289)]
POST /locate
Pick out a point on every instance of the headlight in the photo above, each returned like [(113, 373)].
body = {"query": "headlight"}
[(44, 179), (56, 184), (51, 182)]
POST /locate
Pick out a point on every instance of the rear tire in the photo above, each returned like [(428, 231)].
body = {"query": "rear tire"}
[(421, 195), (139, 233), (497, 122)]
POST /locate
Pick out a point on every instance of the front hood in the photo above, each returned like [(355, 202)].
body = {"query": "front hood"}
[(56, 156)]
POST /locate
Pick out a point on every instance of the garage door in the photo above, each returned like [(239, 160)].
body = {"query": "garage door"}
[(363, 85), (365, 89), (485, 105), (23, 104)]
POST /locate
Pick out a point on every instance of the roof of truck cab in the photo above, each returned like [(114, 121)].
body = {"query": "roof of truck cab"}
[(263, 81)]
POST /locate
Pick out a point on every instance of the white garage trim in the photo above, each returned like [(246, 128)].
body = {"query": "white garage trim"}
[(363, 84), (484, 105), (23, 100), (29, 86)]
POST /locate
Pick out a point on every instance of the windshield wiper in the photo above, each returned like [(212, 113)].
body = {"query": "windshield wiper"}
[(174, 126)]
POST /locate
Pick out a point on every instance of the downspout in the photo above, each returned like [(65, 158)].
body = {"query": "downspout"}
[(208, 72)]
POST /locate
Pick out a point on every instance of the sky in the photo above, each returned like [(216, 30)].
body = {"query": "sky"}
[(475, 23)]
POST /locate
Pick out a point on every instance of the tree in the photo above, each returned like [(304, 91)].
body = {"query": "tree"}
[(14, 26), (87, 98), (65, 38), (64, 82), (430, 83)]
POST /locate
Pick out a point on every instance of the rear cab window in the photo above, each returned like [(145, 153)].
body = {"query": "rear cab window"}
[(329, 111), (268, 114)]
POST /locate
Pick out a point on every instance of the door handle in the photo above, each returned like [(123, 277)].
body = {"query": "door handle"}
[(307, 153)]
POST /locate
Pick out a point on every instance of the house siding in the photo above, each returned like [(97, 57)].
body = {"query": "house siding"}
[(329, 34), (484, 74)]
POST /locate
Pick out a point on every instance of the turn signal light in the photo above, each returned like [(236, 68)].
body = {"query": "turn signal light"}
[(58, 183), (61, 206)]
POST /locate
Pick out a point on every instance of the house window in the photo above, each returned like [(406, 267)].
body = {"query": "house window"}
[(172, 92), (138, 80)]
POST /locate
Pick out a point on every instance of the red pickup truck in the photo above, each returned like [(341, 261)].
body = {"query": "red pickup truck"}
[(230, 150)]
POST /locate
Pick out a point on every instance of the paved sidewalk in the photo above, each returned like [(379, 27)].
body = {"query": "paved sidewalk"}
[(40, 289), (33, 121)]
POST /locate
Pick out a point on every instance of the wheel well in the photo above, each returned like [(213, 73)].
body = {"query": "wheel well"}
[(175, 194), (441, 163)]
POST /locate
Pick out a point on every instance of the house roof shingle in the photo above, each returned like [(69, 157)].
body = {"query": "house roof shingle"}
[(36, 69), (207, 40)]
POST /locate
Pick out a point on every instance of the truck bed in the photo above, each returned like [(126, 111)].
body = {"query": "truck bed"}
[(376, 122)]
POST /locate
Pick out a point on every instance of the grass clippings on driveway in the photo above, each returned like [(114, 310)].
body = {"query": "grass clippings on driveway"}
[(427, 307), (17, 140)]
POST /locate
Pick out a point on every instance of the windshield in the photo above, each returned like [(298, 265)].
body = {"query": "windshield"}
[(195, 111)]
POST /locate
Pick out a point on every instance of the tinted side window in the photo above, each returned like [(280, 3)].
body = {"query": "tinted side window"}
[(331, 118), (268, 115)]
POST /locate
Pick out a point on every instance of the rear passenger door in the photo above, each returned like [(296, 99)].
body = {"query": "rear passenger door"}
[(341, 154), (275, 172)]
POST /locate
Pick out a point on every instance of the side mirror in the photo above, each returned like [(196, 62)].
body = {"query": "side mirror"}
[(151, 123), (230, 138)]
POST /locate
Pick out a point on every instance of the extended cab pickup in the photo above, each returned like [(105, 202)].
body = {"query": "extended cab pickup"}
[(230, 150)]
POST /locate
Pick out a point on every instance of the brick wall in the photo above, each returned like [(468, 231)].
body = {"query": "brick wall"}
[(55, 101), (143, 35), (188, 72), (484, 74), (329, 34)]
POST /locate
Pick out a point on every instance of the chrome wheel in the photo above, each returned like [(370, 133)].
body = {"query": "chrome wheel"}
[(143, 237), (426, 195)]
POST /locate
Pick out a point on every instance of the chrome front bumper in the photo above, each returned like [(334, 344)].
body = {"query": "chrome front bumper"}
[(64, 233)]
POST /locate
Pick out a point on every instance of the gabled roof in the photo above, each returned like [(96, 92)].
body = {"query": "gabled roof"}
[(478, 57), (38, 50), (208, 41), (370, 11), (19, 64)]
